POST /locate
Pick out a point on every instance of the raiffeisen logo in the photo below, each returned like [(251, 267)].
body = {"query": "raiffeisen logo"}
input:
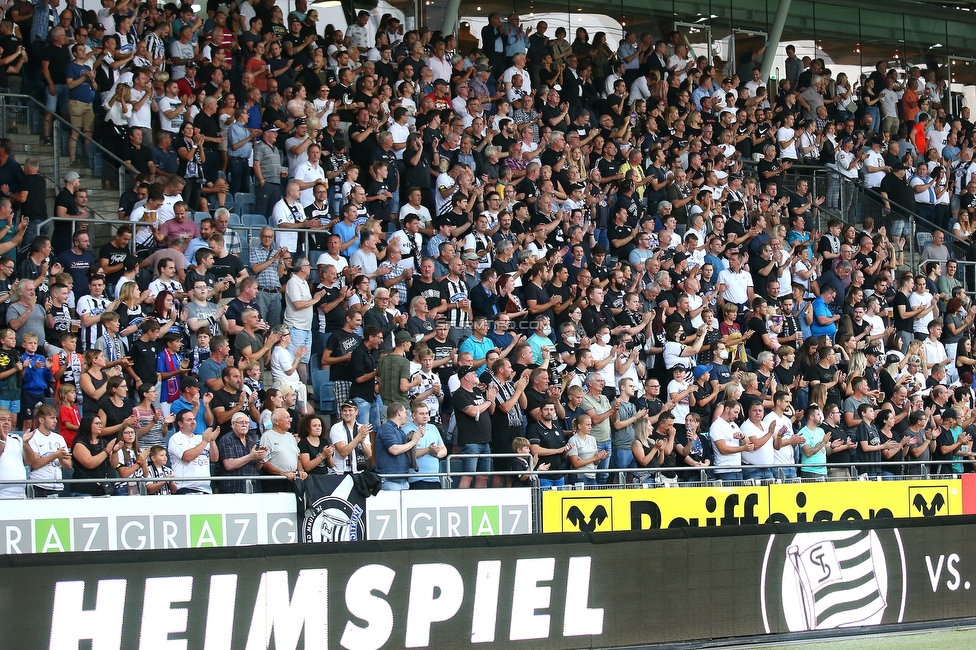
[(520, 600)]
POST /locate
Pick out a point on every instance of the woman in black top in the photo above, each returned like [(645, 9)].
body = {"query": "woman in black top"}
[(132, 311), (316, 452), (115, 409), (93, 380), (189, 150), (93, 456)]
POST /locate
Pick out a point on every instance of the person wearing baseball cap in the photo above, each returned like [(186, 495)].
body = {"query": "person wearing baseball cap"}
[(191, 400), (473, 408), (351, 440)]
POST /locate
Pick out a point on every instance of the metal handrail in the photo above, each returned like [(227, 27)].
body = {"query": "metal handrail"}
[(63, 123), (450, 474), (856, 192)]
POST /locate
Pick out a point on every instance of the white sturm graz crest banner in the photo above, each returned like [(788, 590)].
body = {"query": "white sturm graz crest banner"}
[(834, 579)]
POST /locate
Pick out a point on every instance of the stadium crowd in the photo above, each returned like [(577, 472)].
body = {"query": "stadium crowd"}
[(593, 257)]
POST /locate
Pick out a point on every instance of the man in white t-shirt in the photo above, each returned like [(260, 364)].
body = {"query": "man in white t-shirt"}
[(333, 258), (728, 443), (738, 283), (761, 438), (143, 104), (399, 130), (190, 454), (308, 174), (755, 83), (351, 441), (874, 165), (784, 440), (172, 108), (786, 138)]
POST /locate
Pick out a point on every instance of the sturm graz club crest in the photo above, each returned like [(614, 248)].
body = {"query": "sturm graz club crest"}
[(330, 512), (836, 579)]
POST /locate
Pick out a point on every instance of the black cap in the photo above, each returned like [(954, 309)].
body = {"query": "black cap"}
[(189, 382), (872, 350), (463, 370)]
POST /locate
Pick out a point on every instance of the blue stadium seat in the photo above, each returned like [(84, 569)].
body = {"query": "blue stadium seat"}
[(251, 219), (233, 207), (200, 216), (923, 239), (324, 391), (235, 219), (246, 200)]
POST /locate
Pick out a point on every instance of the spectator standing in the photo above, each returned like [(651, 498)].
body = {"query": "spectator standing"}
[(282, 457), (191, 454)]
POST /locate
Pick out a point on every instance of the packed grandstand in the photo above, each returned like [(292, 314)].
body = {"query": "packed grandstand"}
[(370, 249)]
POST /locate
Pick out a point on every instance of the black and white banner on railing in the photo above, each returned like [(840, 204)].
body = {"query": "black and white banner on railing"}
[(544, 592)]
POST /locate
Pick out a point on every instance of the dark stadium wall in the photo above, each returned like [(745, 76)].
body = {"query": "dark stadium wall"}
[(542, 592)]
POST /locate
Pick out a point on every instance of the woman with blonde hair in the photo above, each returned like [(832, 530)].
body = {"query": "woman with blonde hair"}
[(577, 160), (733, 391), (130, 310), (644, 449), (584, 453)]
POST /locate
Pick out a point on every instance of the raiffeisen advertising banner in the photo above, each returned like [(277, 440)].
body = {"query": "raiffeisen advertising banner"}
[(651, 509)]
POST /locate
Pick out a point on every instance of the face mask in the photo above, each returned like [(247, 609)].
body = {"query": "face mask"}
[(605, 338), (724, 354), (547, 331), (572, 340)]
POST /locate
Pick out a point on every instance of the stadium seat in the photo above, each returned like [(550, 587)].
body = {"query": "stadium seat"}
[(200, 216), (923, 239), (246, 201), (235, 219), (233, 207), (251, 219), (324, 391)]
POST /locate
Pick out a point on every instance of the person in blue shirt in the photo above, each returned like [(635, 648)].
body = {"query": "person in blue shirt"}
[(824, 320), (478, 344), (36, 376), (191, 400), (715, 247), (430, 449), (392, 446), (81, 94)]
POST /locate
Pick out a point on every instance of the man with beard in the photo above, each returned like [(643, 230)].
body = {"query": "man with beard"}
[(77, 261)]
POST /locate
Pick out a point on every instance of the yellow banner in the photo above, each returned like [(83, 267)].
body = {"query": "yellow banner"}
[(649, 509)]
